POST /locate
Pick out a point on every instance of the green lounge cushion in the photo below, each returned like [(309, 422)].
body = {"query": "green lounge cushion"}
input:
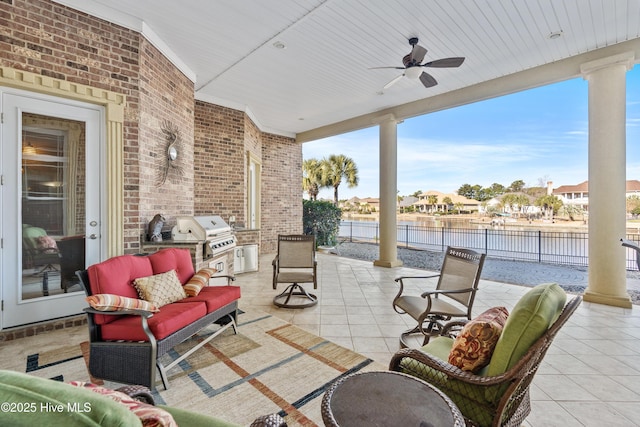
[(34, 400), (534, 313)]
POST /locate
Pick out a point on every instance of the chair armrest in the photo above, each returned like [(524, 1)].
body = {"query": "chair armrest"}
[(143, 313), (400, 281), (451, 371), (427, 294)]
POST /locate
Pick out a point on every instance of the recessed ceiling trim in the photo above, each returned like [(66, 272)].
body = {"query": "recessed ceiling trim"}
[(155, 40), (240, 107)]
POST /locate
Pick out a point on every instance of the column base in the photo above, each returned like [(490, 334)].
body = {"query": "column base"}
[(624, 302), (384, 263)]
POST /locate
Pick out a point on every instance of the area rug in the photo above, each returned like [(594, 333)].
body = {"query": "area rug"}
[(270, 366)]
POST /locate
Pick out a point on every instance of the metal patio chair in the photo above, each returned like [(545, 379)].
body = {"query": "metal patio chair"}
[(453, 296), (295, 263)]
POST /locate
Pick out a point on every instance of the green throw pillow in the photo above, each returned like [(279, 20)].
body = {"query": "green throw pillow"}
[(530, 318)]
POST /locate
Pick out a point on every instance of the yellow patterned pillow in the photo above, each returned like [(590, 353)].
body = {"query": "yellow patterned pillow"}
[(473, 347), (198, 281), (110, 302), (160, 289)]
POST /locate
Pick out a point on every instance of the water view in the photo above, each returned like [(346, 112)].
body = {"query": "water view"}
[(515, 241)]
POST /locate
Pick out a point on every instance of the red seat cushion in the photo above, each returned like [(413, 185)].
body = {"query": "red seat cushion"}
[(215, 297), (171, 318), (173, 259), (116, 276)]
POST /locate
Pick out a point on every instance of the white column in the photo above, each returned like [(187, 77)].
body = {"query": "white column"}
[(607, 179), (388, 193)]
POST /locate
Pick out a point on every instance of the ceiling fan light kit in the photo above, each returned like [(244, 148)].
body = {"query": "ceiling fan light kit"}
[(414, 68)]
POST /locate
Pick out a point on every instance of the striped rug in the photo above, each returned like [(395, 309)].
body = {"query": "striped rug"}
[(270, 366)]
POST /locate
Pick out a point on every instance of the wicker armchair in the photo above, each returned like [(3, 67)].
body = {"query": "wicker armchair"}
[(453, 297), (295, 263), (484, 399)]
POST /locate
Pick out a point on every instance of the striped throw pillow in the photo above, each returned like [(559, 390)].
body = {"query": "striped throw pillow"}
[(110, 302), (198, 281)]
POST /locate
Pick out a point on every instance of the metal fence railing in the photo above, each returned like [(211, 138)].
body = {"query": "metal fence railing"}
[(552, 247)]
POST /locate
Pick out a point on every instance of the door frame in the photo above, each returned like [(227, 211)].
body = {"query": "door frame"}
[(16, 310), (113, 137), (113, 104)]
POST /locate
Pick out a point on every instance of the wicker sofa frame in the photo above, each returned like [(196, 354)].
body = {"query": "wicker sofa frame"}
[(462, 387), (136, 362)]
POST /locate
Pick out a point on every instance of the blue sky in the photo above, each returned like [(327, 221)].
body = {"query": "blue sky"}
[(539, 134)]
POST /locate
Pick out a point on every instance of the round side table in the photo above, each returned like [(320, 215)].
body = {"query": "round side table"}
[(386, 398)]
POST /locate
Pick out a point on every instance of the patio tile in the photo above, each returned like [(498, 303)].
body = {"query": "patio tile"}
[(589, 376), (597, 414)]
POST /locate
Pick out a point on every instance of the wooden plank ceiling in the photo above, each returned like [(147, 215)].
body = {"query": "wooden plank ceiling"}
[(298, 65)]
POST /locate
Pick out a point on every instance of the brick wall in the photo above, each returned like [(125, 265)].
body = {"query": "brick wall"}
[(222, 138), (165, 95), (219, 168), (281, 189), (46, 38)]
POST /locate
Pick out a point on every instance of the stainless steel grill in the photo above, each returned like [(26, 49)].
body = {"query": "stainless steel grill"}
[(212, 230)]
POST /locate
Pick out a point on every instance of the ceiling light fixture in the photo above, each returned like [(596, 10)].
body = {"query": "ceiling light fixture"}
[(279, 45), (413, 72)]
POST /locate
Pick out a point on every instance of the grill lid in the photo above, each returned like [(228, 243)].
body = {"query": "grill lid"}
[(190, 228)]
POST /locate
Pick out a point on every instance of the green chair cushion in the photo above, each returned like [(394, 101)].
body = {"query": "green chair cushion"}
[(439, 347), (534, 313), (468, 398), (34, 401)]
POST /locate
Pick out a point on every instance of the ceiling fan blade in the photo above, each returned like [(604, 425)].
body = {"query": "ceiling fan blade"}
[(418, 53), (445, 62), (427, 80), (380, 68), (392, 82)]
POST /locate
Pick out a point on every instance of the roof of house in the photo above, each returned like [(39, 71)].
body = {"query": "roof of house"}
[(583, 187), (455, 198)]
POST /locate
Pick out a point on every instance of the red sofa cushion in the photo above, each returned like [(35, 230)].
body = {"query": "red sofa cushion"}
[(173, 259), (171, 318), (215, 297), (116, 276)]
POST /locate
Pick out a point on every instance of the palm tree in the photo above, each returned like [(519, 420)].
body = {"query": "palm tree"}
[(312, 177), (432, 199), (549, 204), (447, 203), (337, 167)]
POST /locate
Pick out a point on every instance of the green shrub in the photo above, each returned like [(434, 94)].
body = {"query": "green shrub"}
[(322, 219)]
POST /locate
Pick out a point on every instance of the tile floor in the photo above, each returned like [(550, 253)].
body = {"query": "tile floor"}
[(589, 377)]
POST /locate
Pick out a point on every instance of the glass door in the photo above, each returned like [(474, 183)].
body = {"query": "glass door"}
[(51, 164)]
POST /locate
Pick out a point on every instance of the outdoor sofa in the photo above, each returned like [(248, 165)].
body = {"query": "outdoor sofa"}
[(128, 335)]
